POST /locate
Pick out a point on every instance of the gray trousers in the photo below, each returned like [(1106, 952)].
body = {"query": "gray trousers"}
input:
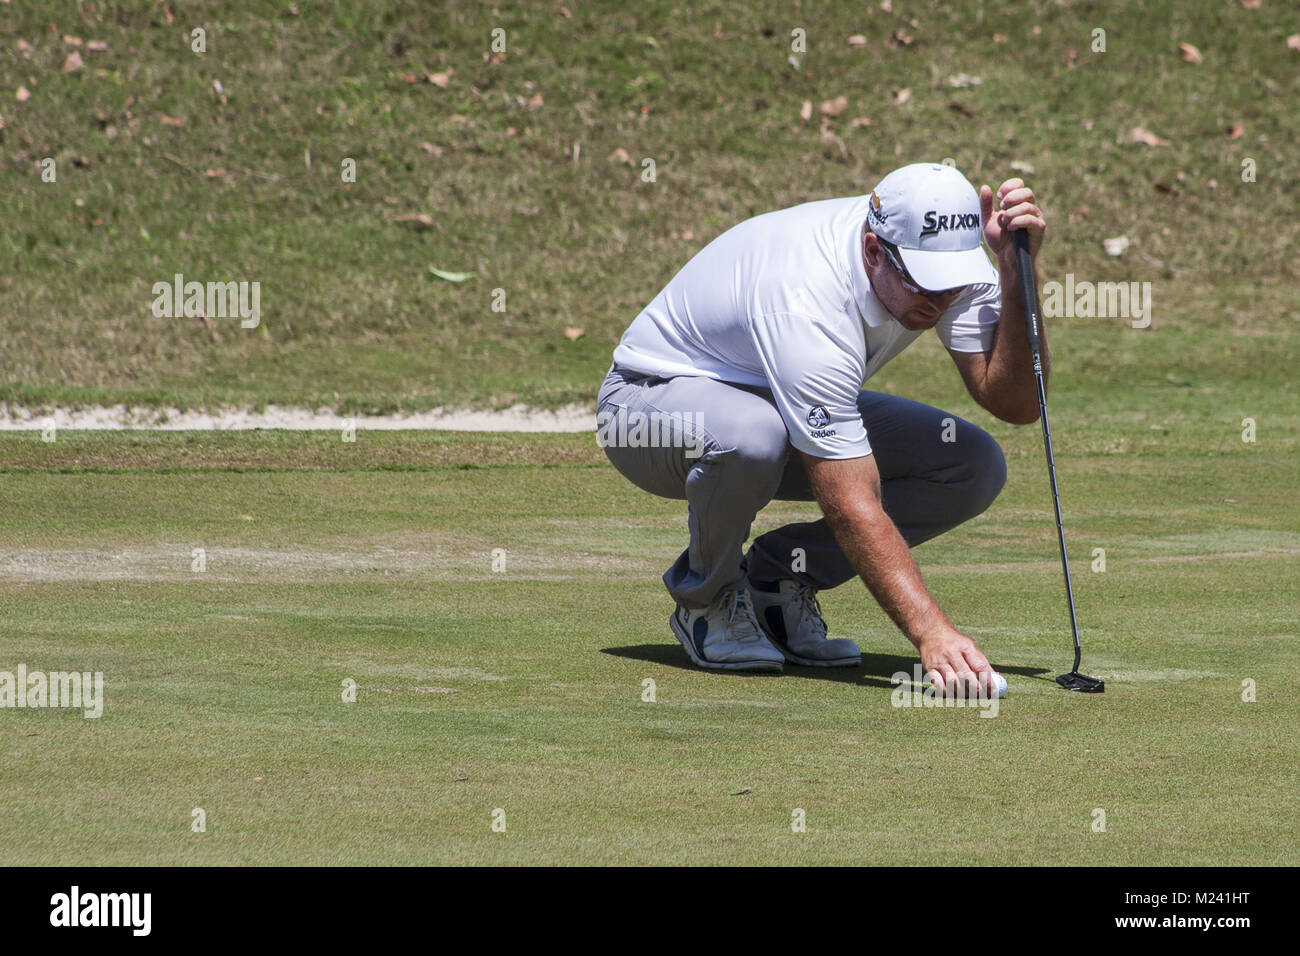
[(730, 455)]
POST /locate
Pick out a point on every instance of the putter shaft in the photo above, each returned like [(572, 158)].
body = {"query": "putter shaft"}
[(1029, 298)]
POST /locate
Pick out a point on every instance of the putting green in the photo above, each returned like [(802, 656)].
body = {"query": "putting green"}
[(521, 689)]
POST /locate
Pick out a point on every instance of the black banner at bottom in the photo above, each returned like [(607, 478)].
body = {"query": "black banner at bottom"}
[(299, 905)]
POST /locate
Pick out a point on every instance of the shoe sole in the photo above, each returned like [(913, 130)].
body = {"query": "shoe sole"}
[(689, 645), (809, 662), (793, 658)]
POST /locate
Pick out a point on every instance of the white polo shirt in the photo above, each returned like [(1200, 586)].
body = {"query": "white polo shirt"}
[(783, 301)]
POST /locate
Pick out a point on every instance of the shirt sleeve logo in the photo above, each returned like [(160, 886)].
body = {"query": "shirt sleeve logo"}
[(818, 417)]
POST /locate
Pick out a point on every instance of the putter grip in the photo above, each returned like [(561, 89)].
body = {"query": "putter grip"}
[(1028, 294)]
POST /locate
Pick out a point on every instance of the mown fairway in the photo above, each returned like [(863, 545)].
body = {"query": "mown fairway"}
[(521, 689)]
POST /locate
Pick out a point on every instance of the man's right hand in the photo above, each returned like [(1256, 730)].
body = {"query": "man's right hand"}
[(849, 492), (952, 660)]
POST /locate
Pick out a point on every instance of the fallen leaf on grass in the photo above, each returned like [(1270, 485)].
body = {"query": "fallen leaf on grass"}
[(1293, 41), (963, 80), (1140, 135), (857, 40), (418, 221), (835, 107), (23, 94), (451, 276), (1250, 4), (1189, 53), (1235, 130), (573, 334), (1115, 246), (170, 120), (805, 111), (97, 46), (828, 136), (620, 156), (440, 80), (1021, 166), (901, 96), (431, 149), (859, 122), (215, 173), (72, 64)]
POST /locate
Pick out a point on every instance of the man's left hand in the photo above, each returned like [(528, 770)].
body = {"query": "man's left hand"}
[(1016, 209)]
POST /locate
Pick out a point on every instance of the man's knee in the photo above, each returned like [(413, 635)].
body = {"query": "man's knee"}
[(986, 468), (756, 459), (764, 445)]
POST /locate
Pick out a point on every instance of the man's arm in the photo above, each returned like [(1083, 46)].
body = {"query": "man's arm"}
[(1002, 379), (848, 491)]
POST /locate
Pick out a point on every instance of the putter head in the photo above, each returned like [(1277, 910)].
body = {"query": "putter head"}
[(1082, 683)]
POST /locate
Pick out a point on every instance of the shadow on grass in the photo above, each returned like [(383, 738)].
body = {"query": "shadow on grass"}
[(876, 669)]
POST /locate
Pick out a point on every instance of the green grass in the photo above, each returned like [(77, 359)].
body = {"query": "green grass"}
[(521, 689), (353, 318)]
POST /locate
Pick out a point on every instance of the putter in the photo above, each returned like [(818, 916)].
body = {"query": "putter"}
[(1028, 294)]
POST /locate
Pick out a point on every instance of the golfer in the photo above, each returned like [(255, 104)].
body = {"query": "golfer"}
[(759, 348)]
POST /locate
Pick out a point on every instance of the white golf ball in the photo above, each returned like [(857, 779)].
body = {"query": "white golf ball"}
[(1000, 685)]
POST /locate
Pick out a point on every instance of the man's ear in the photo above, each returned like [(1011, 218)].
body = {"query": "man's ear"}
[(872, 254)]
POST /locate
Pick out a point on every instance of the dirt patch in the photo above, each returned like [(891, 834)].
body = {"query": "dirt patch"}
[(517, 418), (176, 562)]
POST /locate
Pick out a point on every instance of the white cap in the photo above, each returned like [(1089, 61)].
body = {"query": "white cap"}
[(932, 214)]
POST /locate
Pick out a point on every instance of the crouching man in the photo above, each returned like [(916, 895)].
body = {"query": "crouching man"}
[(758, 349)]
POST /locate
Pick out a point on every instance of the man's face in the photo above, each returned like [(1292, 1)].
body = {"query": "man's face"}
[(913, 309)]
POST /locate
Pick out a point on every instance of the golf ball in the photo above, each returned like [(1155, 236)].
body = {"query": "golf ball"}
[(999, 685)]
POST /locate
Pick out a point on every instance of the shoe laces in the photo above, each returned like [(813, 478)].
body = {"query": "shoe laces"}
[(740, 603), (809, 606)]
